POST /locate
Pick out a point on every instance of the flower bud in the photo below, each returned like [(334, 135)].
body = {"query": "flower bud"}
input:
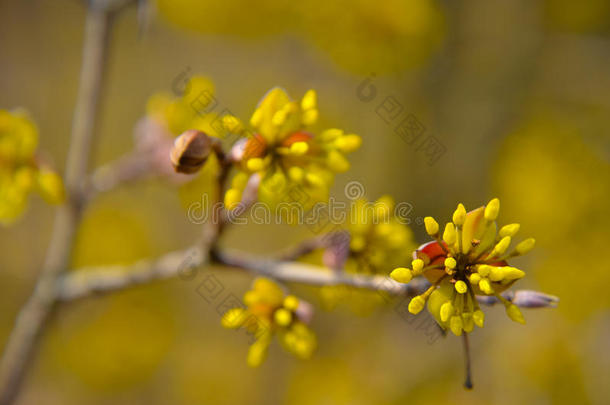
[(525, 246), (514, 313), (418, 265), (431, 226), (291, 302), (479, 318), (190, 151), (509, 230), (446, 311), (492, 209), (282, 317), (485, 286), (461, 287), (449, 236), (417, 304), (455, 324), (401, 274), (501, 246), (459, 216)]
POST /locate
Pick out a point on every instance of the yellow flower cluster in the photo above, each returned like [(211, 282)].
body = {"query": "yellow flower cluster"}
[(469, 259), (189, 111), (379, 241), (280, 150), (270, 312), (20, 171)]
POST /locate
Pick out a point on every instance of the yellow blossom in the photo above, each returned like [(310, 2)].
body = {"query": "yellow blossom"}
[(471, 260), (21, 171), (286, 154), (269, 312)]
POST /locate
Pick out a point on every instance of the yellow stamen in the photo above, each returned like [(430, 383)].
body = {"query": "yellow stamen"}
[(282, 317), (337, 162), (418, 266), (484, 270), (314, 180), (401, 274), (296, 174), (485, 286), (299, 148), (348, 143), (459, 216), (513, 273), (455, 324), (467, 321), (449, 235), (291, 302), (479, 318), (431, 226), (255, 164), (497, 273), (525, 246), (514, 313), (310, 117), (417, 304), (492, 209), (501, 246), (446, 311), (509, 230), (309, 100), (461, 287), (279, 117), (257, 117)]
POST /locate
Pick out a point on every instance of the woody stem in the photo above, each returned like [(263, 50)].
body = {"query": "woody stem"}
[(468, 380)]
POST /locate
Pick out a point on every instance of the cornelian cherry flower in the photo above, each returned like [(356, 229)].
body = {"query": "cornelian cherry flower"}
[(469, 259)]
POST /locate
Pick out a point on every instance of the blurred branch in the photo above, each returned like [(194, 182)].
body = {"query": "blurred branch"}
[(126, 169), (87, 281), (33, 316), (306, 247)]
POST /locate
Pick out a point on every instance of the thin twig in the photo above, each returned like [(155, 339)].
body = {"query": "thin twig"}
[(90, 281), (87, 281), (126, 169), (468, 378), (32, 317)]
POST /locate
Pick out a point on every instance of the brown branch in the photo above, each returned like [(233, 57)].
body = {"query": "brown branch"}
[(33, 316), (104, 279), (87, 281), (126, 169)]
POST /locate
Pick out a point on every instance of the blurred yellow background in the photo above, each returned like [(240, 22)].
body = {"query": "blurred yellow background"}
[(518, 94)]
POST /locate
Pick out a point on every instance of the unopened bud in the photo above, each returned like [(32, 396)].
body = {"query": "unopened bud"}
[(190, 151)]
